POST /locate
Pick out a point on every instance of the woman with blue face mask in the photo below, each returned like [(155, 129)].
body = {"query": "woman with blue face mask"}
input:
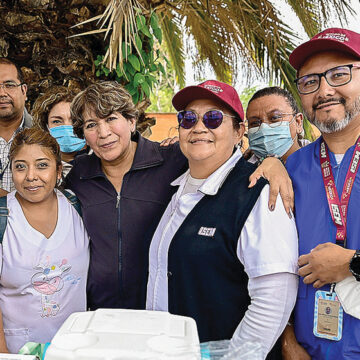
[(274, 124), (51, 113)]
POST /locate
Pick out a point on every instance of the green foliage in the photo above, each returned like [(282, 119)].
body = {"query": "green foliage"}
[(142, 64), (246, 95), (163, 92)]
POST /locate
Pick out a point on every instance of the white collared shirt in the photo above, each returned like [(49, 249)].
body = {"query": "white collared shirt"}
[(267, 243)]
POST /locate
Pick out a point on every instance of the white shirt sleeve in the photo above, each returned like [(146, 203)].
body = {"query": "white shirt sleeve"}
[(268, 242), (268, 249), (272, 300), (348, 292)]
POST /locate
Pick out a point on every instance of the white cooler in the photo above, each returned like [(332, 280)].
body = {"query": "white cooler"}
[(117, 334)]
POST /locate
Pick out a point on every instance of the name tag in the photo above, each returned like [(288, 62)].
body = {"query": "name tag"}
[(207, 231), (328, 316)]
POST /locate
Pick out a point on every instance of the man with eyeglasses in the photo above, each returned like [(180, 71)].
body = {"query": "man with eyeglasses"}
[(13, 115), (326, 183)]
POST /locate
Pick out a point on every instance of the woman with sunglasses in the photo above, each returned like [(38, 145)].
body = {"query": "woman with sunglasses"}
[(274, 124), (124, 188), (219, 255)]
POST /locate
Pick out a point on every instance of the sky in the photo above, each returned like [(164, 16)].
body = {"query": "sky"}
[(289, 15)]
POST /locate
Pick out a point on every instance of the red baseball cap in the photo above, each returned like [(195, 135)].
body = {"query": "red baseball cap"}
[(210, 89), (330, 39)]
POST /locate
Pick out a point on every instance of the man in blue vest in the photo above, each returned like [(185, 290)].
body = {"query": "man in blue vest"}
[(326, 183)]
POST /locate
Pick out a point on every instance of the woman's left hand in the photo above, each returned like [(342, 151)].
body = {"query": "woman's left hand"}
[(274, 171), (169, 141)]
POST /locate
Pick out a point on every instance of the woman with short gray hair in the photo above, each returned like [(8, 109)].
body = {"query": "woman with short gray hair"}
[(123, 187)]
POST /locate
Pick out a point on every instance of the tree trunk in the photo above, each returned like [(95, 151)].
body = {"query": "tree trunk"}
[(34, 34)]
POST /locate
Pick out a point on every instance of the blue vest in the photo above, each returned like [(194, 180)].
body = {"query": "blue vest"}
[(315, 226), (208, 282)]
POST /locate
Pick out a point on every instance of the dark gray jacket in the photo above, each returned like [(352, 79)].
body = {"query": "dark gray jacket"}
[(120, 235)]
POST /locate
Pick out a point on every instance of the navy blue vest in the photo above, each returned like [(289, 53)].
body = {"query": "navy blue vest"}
[(206, 279)]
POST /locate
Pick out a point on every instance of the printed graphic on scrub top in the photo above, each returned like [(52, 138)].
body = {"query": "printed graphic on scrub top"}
[(48, 281)]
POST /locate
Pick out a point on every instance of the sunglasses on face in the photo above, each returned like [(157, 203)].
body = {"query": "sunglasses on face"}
[(212, 119)]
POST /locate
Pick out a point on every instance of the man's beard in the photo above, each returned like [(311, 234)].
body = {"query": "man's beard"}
[(332, 125)]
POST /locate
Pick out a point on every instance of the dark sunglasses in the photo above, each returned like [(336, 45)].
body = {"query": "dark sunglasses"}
[(212, 119)]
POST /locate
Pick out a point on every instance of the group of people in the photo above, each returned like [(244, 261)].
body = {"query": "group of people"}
[(178, 228)]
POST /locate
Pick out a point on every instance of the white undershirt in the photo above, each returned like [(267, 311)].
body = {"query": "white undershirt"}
[(338, 158), (192, 185)]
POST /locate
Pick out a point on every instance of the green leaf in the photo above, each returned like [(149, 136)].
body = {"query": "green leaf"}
[(146, 88), (97, 73), (119, 72), (138, 42), (162, 68), (138, 79), (140, 21), (154, 22), (131, 70), (153, 68), (128, 70), (135, 98), (152, 78), (129, 87), (123, 49), (134, 61), (106, 71), (145, 57), (149, 81), (146, 31), (158, 34)]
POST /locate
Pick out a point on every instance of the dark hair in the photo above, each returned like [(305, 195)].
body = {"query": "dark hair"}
[(36, 136), (236, 121), (47, 101), (104, 98), (275, 90), (7, 61)]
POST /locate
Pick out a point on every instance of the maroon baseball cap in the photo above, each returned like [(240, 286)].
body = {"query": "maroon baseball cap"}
[(330, 39), (210, 89)]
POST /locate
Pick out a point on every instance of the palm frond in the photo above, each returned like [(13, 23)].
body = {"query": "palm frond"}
[(117, 14), (173, 37), (307, 11)]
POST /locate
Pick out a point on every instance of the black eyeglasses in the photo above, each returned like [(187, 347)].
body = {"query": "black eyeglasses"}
[(212, 119), (337, 76)]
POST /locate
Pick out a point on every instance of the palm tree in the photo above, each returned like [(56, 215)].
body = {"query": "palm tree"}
[(232, 35), (35, 33)]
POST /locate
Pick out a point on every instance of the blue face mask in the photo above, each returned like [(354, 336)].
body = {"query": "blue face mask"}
[(66, 138), (265, 140)]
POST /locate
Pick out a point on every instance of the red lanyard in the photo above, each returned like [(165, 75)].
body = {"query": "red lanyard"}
[(338, 209)]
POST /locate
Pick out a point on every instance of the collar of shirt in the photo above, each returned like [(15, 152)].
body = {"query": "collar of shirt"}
[(21, 127), (212, 184)]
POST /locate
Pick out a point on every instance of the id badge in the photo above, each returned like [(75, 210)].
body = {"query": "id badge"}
[(328, 316)]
